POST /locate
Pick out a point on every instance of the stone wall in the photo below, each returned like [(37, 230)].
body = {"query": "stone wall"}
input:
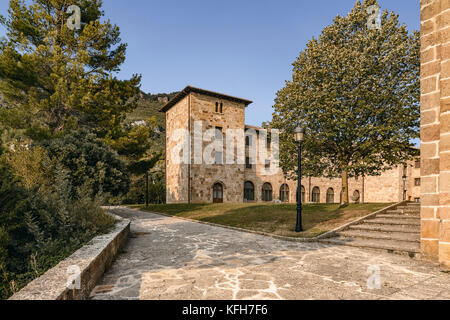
[(204, 176), (87, 266), (435, 130), (176, 173)]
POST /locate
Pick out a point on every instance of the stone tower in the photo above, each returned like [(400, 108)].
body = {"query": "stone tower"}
[(189, 116)]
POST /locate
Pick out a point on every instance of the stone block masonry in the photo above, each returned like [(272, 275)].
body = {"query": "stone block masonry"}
[(435, 130)]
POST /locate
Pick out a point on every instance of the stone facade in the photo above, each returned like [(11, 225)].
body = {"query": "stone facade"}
[(435, 130), (194, 183)]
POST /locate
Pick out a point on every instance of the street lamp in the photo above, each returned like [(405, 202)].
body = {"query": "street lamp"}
[(299, 136)]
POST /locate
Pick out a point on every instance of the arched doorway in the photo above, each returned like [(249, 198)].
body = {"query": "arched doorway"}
[(218, 193), (316, 195), (330, 195), (267, 192), (249, 191), (284, 193)]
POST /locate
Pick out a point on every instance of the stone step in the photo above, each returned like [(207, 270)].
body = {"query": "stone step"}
[(386, 228), (408, 222), (401, 212), (409, 209), (413, 204), (398, 216), (367, 234), (407, 248)]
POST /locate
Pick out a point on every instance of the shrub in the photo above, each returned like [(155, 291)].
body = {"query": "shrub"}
[(43, 219), (91, 162)]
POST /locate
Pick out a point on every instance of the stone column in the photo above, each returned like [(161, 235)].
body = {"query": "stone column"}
[(435, 130)]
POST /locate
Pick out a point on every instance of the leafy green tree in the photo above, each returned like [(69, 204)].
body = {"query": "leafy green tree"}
[(356, 91), (56, 78)]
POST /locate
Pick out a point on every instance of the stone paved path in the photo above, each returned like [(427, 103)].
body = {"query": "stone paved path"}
[(169, 258)]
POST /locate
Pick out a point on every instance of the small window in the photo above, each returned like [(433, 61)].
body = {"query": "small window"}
[(417, 182), (417, 164), (248, 163), (267, 165), (219, 107), (219, 157), (219, 134), (269, 142), (248, 141)]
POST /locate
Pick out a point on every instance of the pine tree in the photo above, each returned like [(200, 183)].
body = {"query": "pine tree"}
[(356, 91), (56, 77)]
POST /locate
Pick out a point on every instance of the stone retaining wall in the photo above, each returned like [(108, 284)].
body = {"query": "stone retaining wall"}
[(86, 266)]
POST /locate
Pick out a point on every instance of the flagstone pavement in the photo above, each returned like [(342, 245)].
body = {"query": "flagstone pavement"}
[(168, 258)]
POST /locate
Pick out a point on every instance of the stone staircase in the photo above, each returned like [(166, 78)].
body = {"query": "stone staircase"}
[(396, 231)]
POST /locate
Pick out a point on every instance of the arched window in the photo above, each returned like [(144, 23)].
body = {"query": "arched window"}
[(249, 191), (316, 195), (284, 193), (267, 192), (330, 195), (218, 193), (356, 196)]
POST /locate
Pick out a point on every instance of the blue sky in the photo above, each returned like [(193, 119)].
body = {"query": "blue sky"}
[(243, 48)]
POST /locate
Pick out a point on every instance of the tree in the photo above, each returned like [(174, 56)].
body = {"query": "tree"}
[(56, 78), (356, 91), (89, 161)]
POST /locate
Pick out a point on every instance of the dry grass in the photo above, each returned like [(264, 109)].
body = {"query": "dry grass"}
[(278, 219)]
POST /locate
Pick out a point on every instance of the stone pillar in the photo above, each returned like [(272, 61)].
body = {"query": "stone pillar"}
[(435, 130)]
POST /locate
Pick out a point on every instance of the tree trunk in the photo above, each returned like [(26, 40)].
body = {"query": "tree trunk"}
[(345, 188)]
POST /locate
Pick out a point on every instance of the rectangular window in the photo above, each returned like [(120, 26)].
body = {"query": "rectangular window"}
[(219, 157), (219, 134), (248, 163), (219, 107), (417, 182), (248, 141), (267, 166), (417, 164)]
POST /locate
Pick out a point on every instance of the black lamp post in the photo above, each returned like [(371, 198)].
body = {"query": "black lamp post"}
[(299, 135)]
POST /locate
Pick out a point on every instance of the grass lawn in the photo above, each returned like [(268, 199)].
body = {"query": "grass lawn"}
[(278, 219)]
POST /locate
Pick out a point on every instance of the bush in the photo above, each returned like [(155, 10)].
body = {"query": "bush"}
[(44, 217), (91, 162)]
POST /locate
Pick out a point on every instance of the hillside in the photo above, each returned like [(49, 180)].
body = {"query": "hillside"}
[(149, 106)]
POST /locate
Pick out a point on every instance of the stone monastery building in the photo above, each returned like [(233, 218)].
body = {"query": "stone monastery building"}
[(233, 183)]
